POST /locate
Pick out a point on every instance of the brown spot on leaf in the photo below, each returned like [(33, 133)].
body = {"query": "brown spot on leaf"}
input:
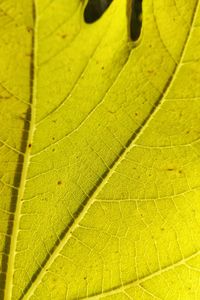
[(150, 71), (29, 29), (63, 36)]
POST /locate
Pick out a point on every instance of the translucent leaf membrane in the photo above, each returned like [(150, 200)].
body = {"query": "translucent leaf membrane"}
[(99, 152)]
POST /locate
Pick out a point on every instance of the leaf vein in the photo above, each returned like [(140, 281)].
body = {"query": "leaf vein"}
[(108, 174)]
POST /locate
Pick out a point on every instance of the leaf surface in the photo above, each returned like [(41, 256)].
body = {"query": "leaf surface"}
[(99, 152)]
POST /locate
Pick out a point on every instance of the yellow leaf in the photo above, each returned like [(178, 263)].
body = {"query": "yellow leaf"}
[(99, 152)]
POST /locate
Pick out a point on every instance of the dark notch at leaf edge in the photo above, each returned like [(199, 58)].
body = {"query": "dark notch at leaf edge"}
[(134, 12), (95, 9)]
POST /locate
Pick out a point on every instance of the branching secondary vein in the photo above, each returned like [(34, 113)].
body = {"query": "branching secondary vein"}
[(108, 174), (24, 170), (138, 282)]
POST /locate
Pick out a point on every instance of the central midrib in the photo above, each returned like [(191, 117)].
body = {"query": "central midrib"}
[(29, 292), (26, 161), (27, 155)]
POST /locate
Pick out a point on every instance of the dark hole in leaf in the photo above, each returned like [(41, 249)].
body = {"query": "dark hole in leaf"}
[(136, 19), (95, 9)]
